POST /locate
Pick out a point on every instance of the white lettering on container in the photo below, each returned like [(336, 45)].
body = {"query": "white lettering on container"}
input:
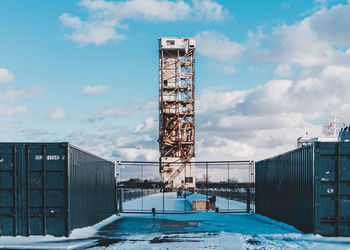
[(48, 157)]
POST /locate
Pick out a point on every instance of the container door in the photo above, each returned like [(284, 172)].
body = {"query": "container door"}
[(33, 198), (47, 192), (8, 190), (333, 218)]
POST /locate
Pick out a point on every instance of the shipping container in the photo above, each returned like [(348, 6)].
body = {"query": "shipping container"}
[(308, 188), (53, 188)]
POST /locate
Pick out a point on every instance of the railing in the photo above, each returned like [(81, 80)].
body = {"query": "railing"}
[(128, 195)]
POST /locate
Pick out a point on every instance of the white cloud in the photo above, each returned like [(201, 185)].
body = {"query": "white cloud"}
[(211, 101), (129, 109), (317, 40), (95, 90), (135, 107), (150, 125), (219, 47), (297, 44), (97, 32), (105, 20), (223, 52), (11, 110), (240, 125), (121, 142), (57, 114), (30, 92), (257, 122), (283, 70), (133, 154), (209, 10), (151, 10), (266, 120), (229, 69), (6, 75), (332, 25)]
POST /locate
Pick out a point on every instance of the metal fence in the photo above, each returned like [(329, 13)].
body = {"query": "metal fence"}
[(230, 182)]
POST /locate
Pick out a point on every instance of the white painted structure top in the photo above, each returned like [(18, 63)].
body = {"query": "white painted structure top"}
[(176, 43)]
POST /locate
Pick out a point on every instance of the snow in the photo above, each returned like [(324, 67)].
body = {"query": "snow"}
[(49, 241), (92, 230), (223, 203), (198, 230), (174, 204), (197, 197), (171, 203)]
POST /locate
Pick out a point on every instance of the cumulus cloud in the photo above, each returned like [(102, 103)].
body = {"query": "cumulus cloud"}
[(283, 70), (209, 10), (223, 52), (30, 92), (150, 125), (121, 142), (261, 121), (134, 107), (229, 69), (57, 114), (12, 110), (243, 124), (331, 25), (6, 75), (138, 153), (84, 32), (129, 109), (10, 96), (105, 21), (267, 120), (219, 47), (317, 40), (95, 90), (297, 44)]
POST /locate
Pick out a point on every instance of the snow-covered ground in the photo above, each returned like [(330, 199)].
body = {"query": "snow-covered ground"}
[(200, 230), (174, 204), (78, 238), (171, 203)]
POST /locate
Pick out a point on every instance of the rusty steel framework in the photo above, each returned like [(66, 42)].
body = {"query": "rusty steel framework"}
[(177, 112)]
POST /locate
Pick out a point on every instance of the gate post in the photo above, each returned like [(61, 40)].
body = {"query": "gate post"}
[(120, 201), (248, 199)]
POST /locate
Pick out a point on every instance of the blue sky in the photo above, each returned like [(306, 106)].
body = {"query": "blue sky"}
[(86, 72)]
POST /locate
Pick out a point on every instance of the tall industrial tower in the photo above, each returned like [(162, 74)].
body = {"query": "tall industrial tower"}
[(176, 112)]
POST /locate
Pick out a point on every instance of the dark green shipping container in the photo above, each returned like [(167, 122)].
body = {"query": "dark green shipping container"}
[(52, 188), (308, 188)]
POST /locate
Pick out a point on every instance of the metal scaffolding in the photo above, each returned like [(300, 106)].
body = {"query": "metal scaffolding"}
[(176, 112)]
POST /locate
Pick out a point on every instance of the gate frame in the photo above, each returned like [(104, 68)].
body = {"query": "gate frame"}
[(250, 185)]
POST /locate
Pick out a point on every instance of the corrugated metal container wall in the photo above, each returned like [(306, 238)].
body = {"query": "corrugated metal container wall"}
[(92, 188), (52, 188), (308, 187)]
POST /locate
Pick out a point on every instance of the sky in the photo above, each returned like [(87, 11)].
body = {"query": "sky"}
[(86, 72)]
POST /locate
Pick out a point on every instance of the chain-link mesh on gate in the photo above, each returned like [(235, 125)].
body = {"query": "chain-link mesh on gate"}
[(221, 186)]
